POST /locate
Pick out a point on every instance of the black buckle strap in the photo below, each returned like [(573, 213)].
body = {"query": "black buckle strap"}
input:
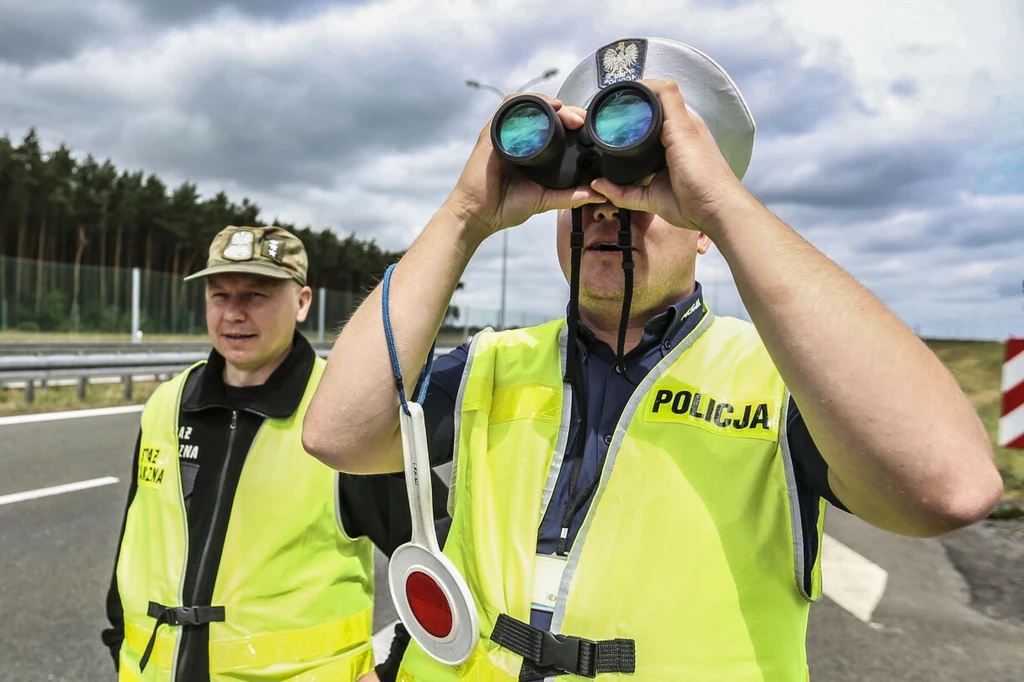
[(186, 615), (178, 616), (544, 652)]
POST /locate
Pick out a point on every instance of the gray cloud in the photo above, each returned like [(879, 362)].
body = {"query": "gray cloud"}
[(792, 101), (300, 125), (904, 87), (1007, 280), (785, 99), (899, 239), (184, 11), (35, 32), (885, 172), (39, 31), (219, 112), (972, 227)]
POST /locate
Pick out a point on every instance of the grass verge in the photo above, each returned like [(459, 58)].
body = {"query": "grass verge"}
[(62, 398), (978, 368)]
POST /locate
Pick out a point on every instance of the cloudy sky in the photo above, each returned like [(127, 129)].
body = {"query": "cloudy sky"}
[(889, 132)]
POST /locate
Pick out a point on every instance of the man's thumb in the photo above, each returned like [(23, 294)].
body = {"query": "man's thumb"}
[(630, 197), (571, 197)]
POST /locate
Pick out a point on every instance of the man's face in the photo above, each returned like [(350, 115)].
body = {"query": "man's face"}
[(251, 319), (664, 257)]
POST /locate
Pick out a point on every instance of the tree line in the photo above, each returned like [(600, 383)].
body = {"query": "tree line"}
[(59, 209)]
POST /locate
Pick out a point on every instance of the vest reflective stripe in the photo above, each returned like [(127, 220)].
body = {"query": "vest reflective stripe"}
[(312, 643), (137, 637), (127, 675), (689, 546), (297, 592), (346, 667)]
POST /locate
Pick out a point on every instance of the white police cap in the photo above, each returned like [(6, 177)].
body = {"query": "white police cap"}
[(706, 87)]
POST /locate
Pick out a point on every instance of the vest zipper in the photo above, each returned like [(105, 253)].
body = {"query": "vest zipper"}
[(217, 504)]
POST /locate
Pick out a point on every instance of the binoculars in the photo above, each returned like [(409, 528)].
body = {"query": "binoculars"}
[(620, 139)]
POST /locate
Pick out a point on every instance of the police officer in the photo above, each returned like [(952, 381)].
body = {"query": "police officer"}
[(678, 536), (242, 557)]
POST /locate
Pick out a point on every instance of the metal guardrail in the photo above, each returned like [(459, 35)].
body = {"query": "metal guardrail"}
[(38, 349), (8, 348), (30, 370), (64, 362)]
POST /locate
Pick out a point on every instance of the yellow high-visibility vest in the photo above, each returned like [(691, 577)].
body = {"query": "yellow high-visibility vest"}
[(297, 592), (692, 546)]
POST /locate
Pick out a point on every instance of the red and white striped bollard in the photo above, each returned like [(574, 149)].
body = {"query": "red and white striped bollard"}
[(1011, 421)]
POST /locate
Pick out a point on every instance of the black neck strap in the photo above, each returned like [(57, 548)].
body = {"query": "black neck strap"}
[(574, 375), (573, 366), (625, 245)]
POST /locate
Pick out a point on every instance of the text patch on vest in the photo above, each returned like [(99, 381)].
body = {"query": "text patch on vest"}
[(152, 465), (675, 403)]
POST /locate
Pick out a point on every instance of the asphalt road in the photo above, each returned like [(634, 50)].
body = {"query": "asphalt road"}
[(57, 552)]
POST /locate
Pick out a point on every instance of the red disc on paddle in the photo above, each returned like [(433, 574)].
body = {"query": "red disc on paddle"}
[(429, 604)]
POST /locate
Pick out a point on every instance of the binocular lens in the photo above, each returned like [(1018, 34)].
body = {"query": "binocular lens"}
[(620, 138), (623, 119), (524, 130)]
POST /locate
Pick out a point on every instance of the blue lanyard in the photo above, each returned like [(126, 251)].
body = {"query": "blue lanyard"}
[(396, 368)]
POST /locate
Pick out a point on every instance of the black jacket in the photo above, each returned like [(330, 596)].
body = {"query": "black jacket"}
[(373, 506)]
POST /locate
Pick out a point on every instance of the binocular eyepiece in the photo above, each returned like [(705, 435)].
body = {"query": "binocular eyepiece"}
[(620, 139)]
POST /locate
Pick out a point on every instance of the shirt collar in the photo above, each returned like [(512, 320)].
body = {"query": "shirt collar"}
[(687, 314), (668, 327), (277, 398)]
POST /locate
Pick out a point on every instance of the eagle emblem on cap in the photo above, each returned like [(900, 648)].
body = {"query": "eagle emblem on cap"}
[(622, 61), (240, 246)]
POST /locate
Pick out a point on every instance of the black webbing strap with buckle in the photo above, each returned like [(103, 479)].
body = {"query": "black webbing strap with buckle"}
[(176, 616), (545, 653)]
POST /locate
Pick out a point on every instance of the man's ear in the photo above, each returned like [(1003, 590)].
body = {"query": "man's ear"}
[(703, 243), (305, 299)]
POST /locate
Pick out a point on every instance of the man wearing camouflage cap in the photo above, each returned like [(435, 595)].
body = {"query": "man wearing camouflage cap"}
[(242, 557)]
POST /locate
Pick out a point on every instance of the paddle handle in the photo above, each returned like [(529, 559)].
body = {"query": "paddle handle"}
[(417, 477)]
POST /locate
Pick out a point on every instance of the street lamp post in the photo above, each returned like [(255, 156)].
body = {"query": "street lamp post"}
[(504, 249)]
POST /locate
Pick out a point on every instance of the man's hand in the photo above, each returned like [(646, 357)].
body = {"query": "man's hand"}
[(492, 194), (696, 182), (369, 677)]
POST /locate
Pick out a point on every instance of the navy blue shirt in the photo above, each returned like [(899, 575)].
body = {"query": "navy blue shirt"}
[(607, 392)]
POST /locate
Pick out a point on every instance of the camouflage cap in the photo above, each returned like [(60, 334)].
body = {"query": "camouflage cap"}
[(269, 251)]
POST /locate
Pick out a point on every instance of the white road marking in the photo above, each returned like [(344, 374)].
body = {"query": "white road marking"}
[(56, 490), (851, 581), (72, 414), (382, 642)]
